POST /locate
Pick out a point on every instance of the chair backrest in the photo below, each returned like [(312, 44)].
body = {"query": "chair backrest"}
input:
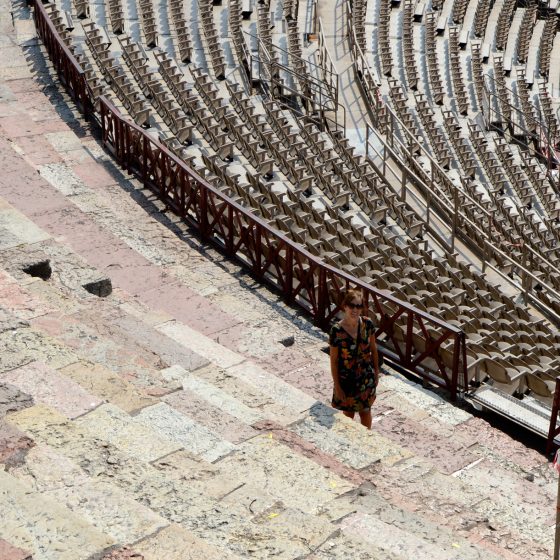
[(539, 386)]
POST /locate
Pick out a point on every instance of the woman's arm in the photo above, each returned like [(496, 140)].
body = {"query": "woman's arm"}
[(338, 392), (374, 357)]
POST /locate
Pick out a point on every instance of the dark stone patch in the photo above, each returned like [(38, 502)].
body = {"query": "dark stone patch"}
[(13, 446), (99, 288), (12, 399), (124, 553), (41, 269)]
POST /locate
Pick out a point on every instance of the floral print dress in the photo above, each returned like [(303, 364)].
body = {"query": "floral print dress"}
[(355, 368)]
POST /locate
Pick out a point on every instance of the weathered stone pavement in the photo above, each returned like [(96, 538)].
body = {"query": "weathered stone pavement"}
[(167, 421)]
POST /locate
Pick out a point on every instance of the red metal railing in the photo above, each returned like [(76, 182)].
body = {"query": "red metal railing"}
[(417, 341), (66, 66)]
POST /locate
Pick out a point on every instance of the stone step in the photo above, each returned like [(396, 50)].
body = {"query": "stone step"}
[(174, 426), (100, 503), (206, 414), (248, 394), (120, 429), (205, 346), (132, 361), (42, 526), (346, 440), (457, 504), (221, 399), (439, 443), (294, 479), (283, 394), (398, 389), (177, 543), (24, 345), (111, 321), (108, 386), (48, 386), (19, 301), (406, 532), (403, 542), (17, 229)]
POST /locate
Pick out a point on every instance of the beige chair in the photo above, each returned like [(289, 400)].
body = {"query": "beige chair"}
[(505, 378), (541, 388)]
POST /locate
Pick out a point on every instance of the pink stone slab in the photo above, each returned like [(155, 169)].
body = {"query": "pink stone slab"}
[(18, 126), (225, 425), (48, 386), (12, 442), (38, 150), (94, 175), (446, 453), (18, 301), (9, 552), (502, 444), (186, 306)]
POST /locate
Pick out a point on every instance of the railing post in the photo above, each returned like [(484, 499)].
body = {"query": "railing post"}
[(322, 298), (203, 197), (289, 274), (553, 417)]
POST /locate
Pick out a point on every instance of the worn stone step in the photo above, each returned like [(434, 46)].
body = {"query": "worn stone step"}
[(115, 426), (108, 386), (220, 399), (42, 526), (100, 503), (17, 229), (443, 445), (48, 386), (205, 346), (396, 540), (280, 392), (424, 532), (346, 440), (134, 362), (174, 426), (342, 546), (19, 300), (296, 480), (248, 394), (24, 345), (111, 321), (457, 504), (423, 399), (206, 414), (177, 543)]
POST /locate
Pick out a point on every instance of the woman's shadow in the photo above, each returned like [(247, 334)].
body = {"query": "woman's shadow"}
[(323, 414)]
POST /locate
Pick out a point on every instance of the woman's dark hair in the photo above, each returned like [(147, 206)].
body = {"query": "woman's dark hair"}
[(350, 296)]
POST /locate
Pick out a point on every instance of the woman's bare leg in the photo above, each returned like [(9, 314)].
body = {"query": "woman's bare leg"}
[(348, 414), (365, 418)]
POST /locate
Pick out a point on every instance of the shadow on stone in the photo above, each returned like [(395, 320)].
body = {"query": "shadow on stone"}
[(323, 414)]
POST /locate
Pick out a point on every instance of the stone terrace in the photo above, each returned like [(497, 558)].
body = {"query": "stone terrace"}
[(174, 418)]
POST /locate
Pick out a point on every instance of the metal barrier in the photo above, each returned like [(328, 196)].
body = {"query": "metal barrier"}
[(66, 66), (417, 341)]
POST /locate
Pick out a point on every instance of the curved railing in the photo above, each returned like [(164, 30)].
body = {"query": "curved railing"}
[(414, 340)]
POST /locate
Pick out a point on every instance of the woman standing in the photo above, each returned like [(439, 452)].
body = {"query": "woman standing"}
[(354, 360)]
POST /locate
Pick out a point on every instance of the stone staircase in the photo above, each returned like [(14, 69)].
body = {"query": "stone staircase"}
[(176, 419)]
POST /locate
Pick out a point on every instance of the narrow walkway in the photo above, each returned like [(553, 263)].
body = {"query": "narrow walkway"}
[(333, 17)]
